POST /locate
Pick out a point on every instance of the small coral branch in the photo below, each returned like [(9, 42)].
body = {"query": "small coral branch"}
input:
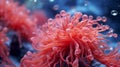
[(72, 41)]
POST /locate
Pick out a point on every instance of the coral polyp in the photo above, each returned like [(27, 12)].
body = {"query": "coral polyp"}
[(72, 41)]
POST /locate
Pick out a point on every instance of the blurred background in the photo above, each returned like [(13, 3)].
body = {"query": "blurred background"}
[(107, 8)]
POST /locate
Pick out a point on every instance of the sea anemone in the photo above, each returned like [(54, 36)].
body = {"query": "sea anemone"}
[(72, 41), (13, 17), (17, 18)]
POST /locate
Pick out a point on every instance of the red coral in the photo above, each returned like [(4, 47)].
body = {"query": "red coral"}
[(17, 18), (4, 50), (14, 17), (40, 16), (67, 42), (64, 41)]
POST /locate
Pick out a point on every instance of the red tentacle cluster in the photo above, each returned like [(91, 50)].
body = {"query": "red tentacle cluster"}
[(72, 41), (4, 53), (65, 41), (17, 18), (13, 17), (40, 16)]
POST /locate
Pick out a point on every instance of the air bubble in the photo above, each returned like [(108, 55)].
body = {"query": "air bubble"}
[(35, 0), (111, 30), (7, 2), (114, 12), (101, 46), (56, 7), (111, 48), (51, 0), (86, 3), (104, 19)]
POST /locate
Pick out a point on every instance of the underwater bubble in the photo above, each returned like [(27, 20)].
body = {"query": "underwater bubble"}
[(51, 0), (114, 12), (111, 48), (55, 7), (35, 0), (101, 46), (7, 1), (86, 3)]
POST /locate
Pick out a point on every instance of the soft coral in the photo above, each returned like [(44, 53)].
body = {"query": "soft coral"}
[(70, 42)]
